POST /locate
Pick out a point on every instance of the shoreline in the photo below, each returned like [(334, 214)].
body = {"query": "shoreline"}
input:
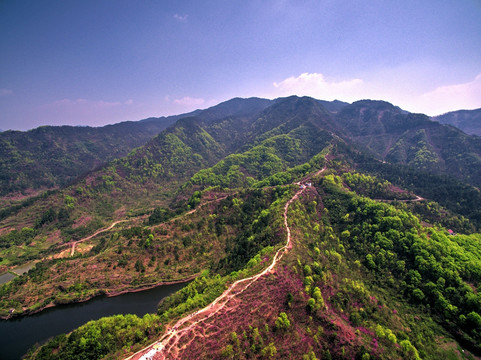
[(99, 293)]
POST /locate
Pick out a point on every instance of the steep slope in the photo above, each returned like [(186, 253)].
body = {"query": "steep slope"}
[(333, 106), (147, 177), (453, 195), (169, 158), (237, 107), (376, 124), (52, 156), (467, 120), (285, 135), (288, 114)]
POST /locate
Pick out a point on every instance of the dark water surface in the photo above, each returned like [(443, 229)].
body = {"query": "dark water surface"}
[(18, 335)]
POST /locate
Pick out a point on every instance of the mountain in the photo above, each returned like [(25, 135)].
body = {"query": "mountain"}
[(234, 107), (333, 106), (396, 136), (52, 156), (227, 147), (361, 278), (321, 230), (467, 120)]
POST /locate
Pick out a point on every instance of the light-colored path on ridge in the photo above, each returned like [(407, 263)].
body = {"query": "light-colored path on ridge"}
[(165, 347), (72, 252)]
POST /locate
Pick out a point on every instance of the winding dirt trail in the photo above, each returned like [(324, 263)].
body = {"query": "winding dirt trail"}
[(74, 243), (165, 347), (206, 203), (418, 198)]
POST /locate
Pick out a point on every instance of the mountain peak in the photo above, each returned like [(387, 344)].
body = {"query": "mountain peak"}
[(235, 107), (376, 104)]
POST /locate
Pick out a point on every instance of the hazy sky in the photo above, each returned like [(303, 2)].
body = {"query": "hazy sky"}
[(104, 61)]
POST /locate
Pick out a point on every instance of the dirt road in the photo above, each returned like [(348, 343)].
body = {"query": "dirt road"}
[(72, 252)]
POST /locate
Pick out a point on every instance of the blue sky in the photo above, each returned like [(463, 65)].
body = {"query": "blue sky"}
[(105, 61)]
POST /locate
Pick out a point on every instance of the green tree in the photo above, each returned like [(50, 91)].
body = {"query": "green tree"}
[(282, 322), (474, 320), (269, 351), (409, 351), (227, 352), (139, 266)]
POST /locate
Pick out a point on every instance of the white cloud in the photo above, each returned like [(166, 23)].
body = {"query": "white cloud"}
[(317, 86), (5, 92), (181, 18), (405, 94), (189, 101), (451, 97)]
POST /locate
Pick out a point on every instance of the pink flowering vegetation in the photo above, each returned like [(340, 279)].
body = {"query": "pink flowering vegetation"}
[(247, 324), (132, 256), (353, 314)]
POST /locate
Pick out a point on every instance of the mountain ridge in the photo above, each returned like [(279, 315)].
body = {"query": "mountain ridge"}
[(50, 157), (69, 159), (467, 120)]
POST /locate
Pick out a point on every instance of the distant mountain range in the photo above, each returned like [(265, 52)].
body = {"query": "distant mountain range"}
[(467, 120), (51, 156)]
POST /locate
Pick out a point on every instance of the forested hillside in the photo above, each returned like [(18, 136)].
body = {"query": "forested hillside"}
[(49, 157), (467, 120), (398, 137), (364, 278), (324, 230)]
